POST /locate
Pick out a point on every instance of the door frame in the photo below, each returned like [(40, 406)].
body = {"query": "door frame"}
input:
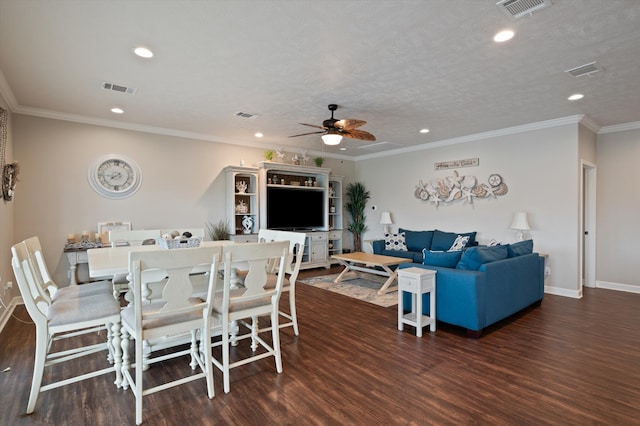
[(587, 225)]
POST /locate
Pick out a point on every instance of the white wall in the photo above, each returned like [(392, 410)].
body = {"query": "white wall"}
[(618, 210), (183, 183), (6, 231), (541, 169)]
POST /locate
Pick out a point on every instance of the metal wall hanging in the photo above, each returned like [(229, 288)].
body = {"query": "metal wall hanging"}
[(460, 188)]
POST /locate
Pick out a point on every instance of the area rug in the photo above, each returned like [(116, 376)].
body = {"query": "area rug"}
[(365, 287)]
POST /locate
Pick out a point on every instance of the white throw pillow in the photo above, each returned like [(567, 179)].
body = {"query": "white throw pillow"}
[(395, 242), (459, 243)]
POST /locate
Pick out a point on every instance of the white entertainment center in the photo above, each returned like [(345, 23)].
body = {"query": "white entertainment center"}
[(295, 189)]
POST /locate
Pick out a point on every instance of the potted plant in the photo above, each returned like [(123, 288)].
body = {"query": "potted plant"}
[(219, 231), (318, 161), (357, 197), (268, 154)]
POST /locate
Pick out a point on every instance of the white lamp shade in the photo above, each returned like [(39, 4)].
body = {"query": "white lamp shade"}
[(331, 139), (520, 221), (385, 218)]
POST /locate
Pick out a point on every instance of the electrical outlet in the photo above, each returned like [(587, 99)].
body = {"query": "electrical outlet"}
[(9, 284)]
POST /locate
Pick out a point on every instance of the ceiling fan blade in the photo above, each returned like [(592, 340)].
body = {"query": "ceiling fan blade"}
[(305, 134), (314, 125), (358, 134), (349, 123)]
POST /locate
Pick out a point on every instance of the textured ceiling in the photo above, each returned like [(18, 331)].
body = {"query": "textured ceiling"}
[(399, 65)]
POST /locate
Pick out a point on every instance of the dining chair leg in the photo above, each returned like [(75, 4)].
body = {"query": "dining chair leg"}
[(275, 335), (225, 356), (126, 362), (138, 381), (194, 350), (116, 346), (292, 309), (254, 333), (42, 346), (205, 354)]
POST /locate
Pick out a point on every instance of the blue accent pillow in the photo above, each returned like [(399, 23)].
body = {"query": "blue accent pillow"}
[(417, 240), (448, 259), (474, 257), (520, 248), (442, 241)]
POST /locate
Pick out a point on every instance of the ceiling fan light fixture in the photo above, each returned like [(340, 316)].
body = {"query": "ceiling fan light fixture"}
[(332, 138)]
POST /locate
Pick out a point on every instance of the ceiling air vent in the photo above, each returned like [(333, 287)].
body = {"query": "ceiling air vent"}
[(118, 88), (586, 69), (521, 8), (247, 115)]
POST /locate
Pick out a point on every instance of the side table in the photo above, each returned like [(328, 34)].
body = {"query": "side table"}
[(417, 281)]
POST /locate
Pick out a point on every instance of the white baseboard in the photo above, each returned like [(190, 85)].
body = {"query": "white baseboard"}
[(617, 286), (4, 318), (576, 294)]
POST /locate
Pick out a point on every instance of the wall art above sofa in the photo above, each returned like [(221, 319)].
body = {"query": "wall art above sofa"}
[(460, 188)]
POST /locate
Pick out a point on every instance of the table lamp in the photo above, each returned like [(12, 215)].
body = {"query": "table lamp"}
[(385, 219), (520, 223)]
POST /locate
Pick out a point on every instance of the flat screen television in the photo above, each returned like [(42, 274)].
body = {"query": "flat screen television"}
[(299, 208)]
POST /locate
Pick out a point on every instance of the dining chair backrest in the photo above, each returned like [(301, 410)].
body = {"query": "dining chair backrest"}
[(175, 269), (296, 246), (29, 282), (34, 248), (257, 256), (135, 237)]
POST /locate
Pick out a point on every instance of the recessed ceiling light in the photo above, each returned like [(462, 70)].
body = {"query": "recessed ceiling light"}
[(503, 36), (143, 52), (576, 96), (258, 135), (117, 110), (424, 131)]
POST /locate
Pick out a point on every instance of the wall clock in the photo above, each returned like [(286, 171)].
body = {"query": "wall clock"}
[(115, 176)]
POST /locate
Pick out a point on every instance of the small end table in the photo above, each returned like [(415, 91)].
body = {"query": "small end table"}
[(417, 281)]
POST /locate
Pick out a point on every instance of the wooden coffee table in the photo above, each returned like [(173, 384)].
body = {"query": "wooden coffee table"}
[(367, 262)]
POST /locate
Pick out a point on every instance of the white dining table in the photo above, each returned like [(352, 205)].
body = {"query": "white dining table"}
[(109, 261)]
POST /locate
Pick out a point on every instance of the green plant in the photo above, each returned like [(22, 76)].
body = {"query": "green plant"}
[(319, 161), (357, 197), (219, 231), (268, 154)]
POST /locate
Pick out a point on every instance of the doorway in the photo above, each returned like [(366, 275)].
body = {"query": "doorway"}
[(588, 226)]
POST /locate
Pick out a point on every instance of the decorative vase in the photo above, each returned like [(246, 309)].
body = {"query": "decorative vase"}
[(247, 224)]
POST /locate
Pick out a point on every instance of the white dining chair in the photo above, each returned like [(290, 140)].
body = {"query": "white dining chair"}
[(176, 313), (296, 249), (134, 237), (236, 305), (52, 291), (65, 319)]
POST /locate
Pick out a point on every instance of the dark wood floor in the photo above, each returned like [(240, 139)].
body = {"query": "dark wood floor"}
[(568, 362)]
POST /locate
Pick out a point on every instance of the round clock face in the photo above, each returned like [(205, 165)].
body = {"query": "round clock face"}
[(495, 180), (115, 176)]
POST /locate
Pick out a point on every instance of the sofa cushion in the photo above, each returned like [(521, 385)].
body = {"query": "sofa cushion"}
[(520, 248), (448, 259), (417, 240), (442, 241), (395, 242), (474, 257)]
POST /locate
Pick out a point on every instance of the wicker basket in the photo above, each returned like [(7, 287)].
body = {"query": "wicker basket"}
[(179, 243)]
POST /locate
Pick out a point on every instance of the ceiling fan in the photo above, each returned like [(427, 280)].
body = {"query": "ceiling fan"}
[(334, 130)]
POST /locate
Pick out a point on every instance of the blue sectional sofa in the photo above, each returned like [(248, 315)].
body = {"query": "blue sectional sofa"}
[(477, 286)]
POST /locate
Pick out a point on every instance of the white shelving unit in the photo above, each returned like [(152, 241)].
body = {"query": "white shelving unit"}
[(243, 205), (323, 241)]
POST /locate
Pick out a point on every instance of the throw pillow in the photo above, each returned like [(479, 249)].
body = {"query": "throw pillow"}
[(442, 241), (459, 243), (417, 240), (448, 259), (474, 257), (395, 242), (520, 248)]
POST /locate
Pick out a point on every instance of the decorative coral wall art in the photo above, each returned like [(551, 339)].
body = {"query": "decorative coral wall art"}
[(460, 188)]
